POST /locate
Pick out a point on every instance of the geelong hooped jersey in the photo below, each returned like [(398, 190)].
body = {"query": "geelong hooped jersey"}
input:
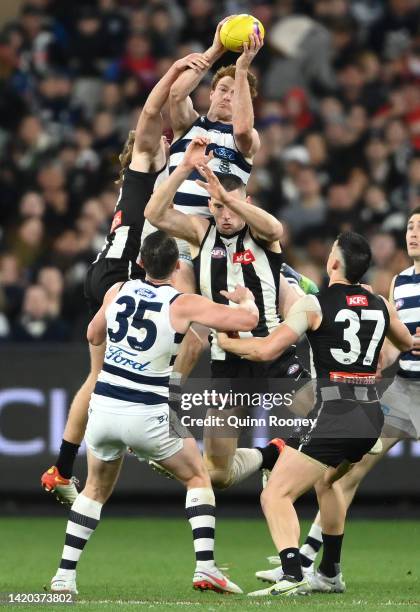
[(353, 328), (123, 240), (141, 344), (190, 198), (407, 302), (225, 261)]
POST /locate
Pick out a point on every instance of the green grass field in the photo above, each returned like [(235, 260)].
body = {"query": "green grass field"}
[(148, 563)]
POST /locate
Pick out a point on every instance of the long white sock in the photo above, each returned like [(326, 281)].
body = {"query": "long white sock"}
[(246, 461), (200, 506), (84, 517), (312, 545)]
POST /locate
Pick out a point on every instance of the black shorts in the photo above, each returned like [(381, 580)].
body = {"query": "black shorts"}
[(345, 430), (286, 366), (243, 376), (102, 275)]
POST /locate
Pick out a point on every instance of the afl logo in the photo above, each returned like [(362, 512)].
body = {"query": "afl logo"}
[(218, 253), (224, 153), (399, 304), (292, 369)]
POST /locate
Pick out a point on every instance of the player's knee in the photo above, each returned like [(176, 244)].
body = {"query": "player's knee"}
[(271, 497), (220, 479)]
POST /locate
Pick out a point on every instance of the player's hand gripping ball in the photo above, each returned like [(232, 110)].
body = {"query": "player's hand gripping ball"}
[(236, 30)]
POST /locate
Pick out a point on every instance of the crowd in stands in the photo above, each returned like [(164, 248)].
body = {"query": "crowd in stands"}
[(338, 114)]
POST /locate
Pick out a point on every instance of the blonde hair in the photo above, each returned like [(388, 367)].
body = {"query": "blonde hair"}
[(126, 154), (230, 71)]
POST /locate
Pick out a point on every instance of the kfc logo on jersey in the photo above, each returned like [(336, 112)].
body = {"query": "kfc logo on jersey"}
[(116, 221), (246, 257), (357, 300)]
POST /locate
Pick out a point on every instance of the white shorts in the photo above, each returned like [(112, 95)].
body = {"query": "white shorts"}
[(401, 406), (152, 432), (183, 245)]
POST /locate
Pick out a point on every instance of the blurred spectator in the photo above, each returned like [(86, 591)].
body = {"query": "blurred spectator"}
[(36, 323), (308, 209), (338, 116), (51, 279)]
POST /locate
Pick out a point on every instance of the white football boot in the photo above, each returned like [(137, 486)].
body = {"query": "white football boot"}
[(320, 583), (286, 587), (275, 575), (64, 583), (213, 580)]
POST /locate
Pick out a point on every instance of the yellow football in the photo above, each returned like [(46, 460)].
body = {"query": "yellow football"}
[(237, 29)]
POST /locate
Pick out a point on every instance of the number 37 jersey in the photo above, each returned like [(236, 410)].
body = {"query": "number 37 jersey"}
[(353, 329), (141, 344)]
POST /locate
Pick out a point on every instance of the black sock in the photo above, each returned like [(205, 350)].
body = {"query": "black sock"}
[(66, 457), (305, 561), (270, 454), (290, 562), (330, 564)]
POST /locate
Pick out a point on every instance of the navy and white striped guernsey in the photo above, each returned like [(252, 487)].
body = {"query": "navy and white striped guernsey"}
[(224, 261), (190, 198), (407, 302), (141, 345)]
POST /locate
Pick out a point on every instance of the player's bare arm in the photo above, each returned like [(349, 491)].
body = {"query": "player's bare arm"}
[(181, 107), (398, 333), (246, 136), (198, 309), (148, 154), (159, 210), (303, 315), (261, 223), (96, 331)]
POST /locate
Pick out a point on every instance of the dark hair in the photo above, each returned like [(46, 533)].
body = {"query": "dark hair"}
[(230, 181), (356, 254), (415, 211), (159, 254)]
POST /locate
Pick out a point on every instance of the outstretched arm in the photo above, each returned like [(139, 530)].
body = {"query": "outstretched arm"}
[(148, 131), (190, 308), (398, 333), (262, 224), (159, 210), (303, 315), (96, 331), (182, 111), (246, 136)]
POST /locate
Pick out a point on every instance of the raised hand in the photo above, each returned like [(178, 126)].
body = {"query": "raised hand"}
[(217, 46), (250, 50), (195, 154), (196, 61), (212, 185)]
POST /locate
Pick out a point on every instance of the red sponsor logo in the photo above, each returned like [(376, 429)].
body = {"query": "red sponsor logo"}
[(357, 300), (116, 221), (246, 257)]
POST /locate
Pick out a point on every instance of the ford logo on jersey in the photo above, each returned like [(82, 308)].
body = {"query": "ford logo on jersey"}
[(144, 292), (224, 153)]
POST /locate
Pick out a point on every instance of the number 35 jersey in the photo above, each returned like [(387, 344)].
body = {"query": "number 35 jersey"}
[(353, 328), (141, 344)]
